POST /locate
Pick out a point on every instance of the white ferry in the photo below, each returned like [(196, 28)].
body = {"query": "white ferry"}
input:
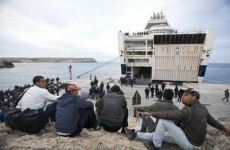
[(163, 54)]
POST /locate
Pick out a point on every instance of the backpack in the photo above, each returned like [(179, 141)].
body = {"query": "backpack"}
[(12, 118), (32, 121), (29, 120)]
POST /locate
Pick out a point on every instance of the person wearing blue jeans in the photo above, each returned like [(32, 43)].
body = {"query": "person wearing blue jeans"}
[(166, 104), (166, 131), (1, 117), (192, 131), (226, 93), (144, 124)]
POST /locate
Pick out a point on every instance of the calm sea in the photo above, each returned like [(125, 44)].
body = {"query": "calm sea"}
[(23, 73)]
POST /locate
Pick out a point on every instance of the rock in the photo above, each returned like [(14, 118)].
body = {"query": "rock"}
[(47, 139), (6, 64)]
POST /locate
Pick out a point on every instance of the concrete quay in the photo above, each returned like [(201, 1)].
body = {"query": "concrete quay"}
[(211, 95)]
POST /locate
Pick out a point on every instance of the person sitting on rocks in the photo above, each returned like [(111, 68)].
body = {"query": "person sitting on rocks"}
[(115, 112), (99, 108), (73, 113), (192, 131), (37, 97), (165, 105)]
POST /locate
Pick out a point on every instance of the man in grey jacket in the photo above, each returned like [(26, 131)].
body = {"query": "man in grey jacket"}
[(191, 134), (115, 112), (165, 105)]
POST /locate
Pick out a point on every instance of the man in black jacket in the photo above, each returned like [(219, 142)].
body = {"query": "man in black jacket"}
[(147, 93), (115, 112), (191, 134)]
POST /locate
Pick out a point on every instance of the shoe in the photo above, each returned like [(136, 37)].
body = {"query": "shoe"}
[(123, 131), (149, 145), (131, 134), (96, 128)]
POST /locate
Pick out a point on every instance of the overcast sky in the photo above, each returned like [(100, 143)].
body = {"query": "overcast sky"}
[(88, 28)]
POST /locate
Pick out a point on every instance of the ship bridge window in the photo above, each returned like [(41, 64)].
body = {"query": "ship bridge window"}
[(136, 53), (138, 60), (149, 53), (128, 69)]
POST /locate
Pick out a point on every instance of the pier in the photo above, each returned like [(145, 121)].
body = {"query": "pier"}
[(210, 94)]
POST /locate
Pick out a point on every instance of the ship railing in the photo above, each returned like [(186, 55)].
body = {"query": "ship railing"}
[(139, 64), (139, 56), (107, 80), (139, 48), (190, 31), (139, 37)]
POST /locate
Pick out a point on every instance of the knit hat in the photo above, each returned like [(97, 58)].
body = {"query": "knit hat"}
[(168, 94), (115, 88), (193, 92)]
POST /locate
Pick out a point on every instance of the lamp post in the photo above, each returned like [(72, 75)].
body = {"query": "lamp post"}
[(70, 72)]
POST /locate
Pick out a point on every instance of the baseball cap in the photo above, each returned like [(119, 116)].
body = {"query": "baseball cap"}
[(193, 92), (72, 87)]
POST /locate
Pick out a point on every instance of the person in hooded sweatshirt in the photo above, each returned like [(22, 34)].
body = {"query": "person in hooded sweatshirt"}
[(114, 115), (73, 113)]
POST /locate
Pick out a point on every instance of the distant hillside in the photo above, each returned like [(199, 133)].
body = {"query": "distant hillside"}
[(47, 59)]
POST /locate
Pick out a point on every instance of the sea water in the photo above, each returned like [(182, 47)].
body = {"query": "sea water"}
[(23, 73)]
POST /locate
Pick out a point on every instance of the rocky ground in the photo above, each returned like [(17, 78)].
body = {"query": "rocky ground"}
[(96, 140)]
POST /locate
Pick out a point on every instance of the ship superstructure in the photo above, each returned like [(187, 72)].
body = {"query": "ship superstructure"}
[(161, 53)]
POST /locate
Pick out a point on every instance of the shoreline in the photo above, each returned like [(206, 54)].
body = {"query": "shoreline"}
[(45, 59)]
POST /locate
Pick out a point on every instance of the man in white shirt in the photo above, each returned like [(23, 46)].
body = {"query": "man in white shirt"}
[(39, 97)]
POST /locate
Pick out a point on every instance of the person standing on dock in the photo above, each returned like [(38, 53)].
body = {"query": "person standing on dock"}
[(147, 92), (152, 91), (176, 91), (163, 86), (107, 87), (226, 93), (95, 81)]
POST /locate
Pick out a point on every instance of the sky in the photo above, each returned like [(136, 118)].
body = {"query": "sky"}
[(88, 28)]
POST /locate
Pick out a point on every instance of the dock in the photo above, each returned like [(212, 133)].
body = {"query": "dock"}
[(210, 95)]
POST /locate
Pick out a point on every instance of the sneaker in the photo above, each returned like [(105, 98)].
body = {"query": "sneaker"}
[(149, 145), (97, 128), (131, 134), (123, 131)]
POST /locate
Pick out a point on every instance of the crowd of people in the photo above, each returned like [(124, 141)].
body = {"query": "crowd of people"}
[(156, 91), (95, 91), (8, 98), (127, 80), (72, 112)]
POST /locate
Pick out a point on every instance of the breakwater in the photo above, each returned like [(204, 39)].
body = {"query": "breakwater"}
[(6, 64), (45, 59)]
